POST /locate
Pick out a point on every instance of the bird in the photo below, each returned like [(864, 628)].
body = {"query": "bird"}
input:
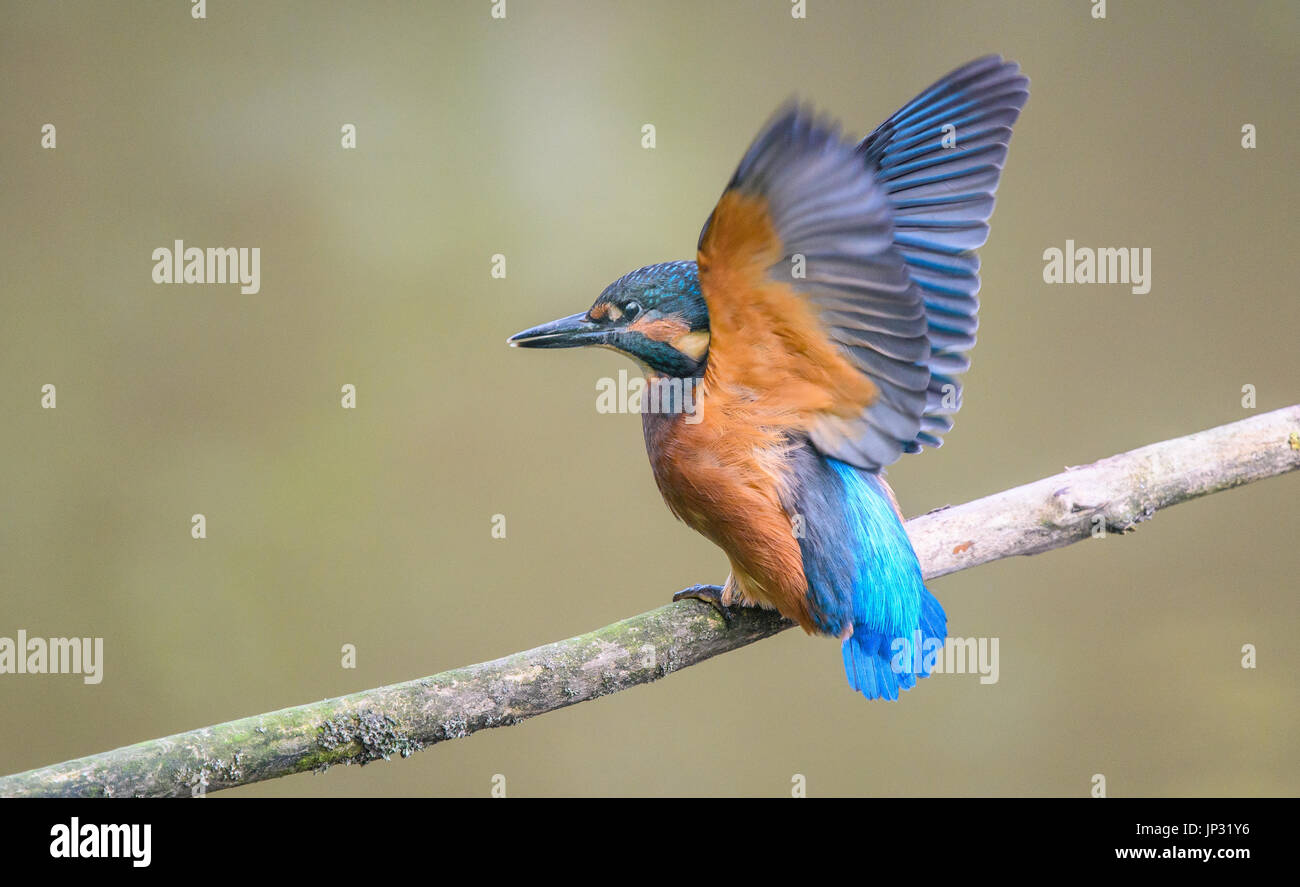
[(819, 334)]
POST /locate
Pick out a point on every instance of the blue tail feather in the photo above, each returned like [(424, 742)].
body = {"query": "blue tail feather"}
[(863, 573), (878, 666)]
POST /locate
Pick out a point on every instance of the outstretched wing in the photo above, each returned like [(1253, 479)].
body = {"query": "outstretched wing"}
[(817, 298), (939, 159), (809, 301)]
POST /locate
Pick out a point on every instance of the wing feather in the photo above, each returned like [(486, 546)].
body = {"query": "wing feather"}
[(841, 279)]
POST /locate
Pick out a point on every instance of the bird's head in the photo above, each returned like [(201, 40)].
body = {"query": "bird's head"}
[(656, 315)]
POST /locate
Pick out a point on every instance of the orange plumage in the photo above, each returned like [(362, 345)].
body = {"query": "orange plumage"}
[(772, 372)]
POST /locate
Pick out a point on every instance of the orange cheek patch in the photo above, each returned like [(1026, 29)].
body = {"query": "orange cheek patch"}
[(663, 329)]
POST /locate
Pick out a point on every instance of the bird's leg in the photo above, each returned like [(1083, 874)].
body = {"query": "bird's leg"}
[(711, 595), (719, 597)]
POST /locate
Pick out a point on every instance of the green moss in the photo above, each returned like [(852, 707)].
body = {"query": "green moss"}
[(359, 739)]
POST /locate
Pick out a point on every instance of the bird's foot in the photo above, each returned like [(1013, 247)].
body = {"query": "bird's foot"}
[(711, 595)]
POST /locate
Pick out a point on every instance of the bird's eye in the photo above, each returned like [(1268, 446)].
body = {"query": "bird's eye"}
[(632, 309)]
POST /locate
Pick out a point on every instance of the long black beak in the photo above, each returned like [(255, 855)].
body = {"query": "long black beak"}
[(567, 332)]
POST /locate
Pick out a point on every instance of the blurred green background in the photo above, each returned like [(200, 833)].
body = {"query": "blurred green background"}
[(522, 137)]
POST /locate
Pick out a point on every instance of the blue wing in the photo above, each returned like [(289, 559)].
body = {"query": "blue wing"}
[(878, 239), (939, 159)]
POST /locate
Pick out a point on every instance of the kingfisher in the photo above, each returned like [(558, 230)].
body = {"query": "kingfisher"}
[(819, 334)]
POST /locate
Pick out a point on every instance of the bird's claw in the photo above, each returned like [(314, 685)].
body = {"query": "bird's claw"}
[(711, 595)]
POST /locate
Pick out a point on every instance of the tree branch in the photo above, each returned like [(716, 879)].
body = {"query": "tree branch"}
[(1116, 493)]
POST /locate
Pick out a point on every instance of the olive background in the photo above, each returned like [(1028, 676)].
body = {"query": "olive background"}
[(522, 137)]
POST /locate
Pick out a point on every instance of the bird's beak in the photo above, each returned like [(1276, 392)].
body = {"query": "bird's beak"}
[(567, 332)]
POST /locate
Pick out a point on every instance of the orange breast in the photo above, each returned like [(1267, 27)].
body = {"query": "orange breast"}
[(772, 373), (724, 477)]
